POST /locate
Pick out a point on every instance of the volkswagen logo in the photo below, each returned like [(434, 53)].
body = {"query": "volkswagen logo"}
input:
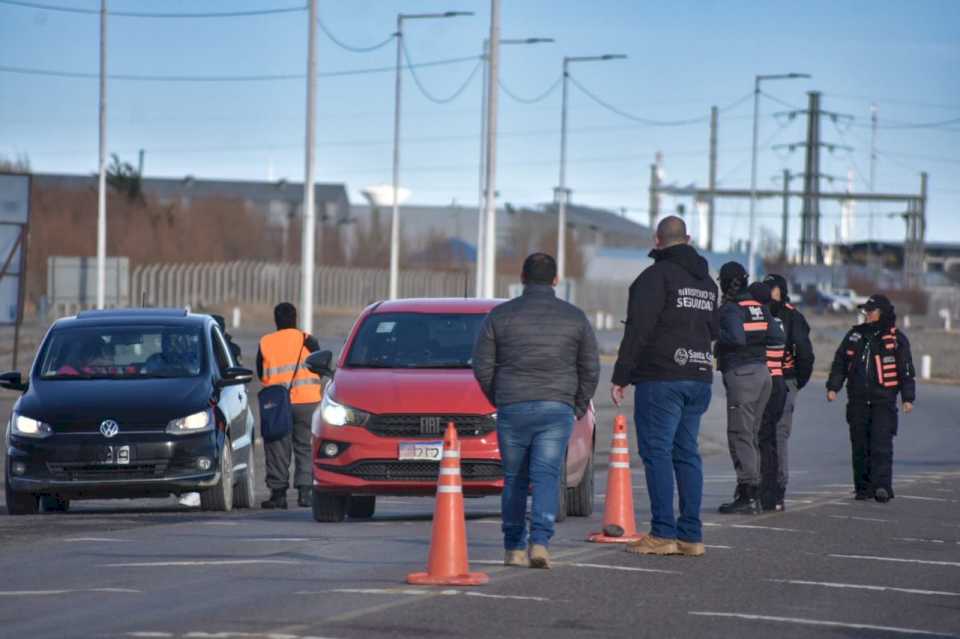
[(109, 428)]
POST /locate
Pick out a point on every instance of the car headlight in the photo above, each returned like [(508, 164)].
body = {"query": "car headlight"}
[(336, 414), (24, 426), (195, 423)]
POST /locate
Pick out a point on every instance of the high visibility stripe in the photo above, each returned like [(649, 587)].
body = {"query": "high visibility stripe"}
[(620, 451), (450, 471), (879, 369), (749, 303), (620, 436), (776, 372), (449, 489), (451, 454), (305, 382), (277, 370), (754, 326), (619, 465)]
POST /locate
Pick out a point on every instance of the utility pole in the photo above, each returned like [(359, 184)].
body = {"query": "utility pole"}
[(309, 214), (654, 206), (810, 252), (786, 216), (140, 159), (712, 177), (481, 207), (490, 191), (873, 178), (102, 178)]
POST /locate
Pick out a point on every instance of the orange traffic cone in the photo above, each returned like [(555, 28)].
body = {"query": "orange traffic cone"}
[(447, 564), (618, 512)]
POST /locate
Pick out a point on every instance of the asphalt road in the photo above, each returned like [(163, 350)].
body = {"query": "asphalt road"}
[(829, 566)]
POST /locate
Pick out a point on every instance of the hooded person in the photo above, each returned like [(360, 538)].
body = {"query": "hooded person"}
[(798, 362), (665, 354), (747, 328), (773, 412), (875, 363)]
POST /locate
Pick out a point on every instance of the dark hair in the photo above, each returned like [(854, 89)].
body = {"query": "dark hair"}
[(539, 268), (285, 315), (672, 230)]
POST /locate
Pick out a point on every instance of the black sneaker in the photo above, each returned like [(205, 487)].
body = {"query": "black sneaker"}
[(304, 496), (744, 502), (881, 495), (862, 495), (277, 501)]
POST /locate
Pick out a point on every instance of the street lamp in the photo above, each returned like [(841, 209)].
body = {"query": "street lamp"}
[(481, 272), (562, 193), (395, 218), (752, 253)]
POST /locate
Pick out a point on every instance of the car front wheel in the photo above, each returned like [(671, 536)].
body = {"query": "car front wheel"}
[(220, 497), (580, 497), (328, 508), (244, 493), (20, 503)]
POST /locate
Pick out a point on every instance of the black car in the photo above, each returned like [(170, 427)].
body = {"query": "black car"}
[(130, 403)]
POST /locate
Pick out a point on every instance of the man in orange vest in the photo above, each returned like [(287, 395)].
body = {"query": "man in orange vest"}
[(280, 361)]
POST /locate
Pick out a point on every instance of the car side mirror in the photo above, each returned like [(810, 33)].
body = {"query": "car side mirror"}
[(236, 375), (13, 381), (320, 363)]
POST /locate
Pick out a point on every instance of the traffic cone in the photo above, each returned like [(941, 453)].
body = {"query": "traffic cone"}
[(618, 510), (447, 564)]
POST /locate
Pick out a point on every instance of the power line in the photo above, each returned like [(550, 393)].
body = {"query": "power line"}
[(423, 89), (139, 14), (225, 78), (538, 98), (352, 48)]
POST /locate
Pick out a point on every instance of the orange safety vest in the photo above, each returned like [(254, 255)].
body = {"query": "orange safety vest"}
[(283, 353), (886, 362)]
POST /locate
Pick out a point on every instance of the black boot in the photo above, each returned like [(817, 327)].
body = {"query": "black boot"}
[(781, 499), (304, 496), (278, 499), (744, 502)]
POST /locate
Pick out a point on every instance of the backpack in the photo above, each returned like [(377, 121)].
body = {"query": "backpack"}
[(276, 411)]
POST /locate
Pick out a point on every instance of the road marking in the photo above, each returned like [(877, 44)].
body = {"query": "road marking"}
[(215, 562), (919, 498), (219, 523), (280, 539), (798, 501), (492, 562), (928, 562), (831, 584), (818, 622), (754, 527), (94, 539), (46, 593), (928, 541), (719, 547), (857, 518), (421, 592), (712, 524), (220, 635)]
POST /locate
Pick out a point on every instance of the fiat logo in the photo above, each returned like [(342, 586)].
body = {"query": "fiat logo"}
[(109, 428)]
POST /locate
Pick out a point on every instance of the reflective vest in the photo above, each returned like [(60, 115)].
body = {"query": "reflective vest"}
[(282, 351), (754, 326), (886, 360), (776, 357)]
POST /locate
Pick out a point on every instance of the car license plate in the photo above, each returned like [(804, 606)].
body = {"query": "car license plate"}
[(421, 451), (115, 455)]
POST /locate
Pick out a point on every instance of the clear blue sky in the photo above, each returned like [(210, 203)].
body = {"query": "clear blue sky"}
[(683, 57)]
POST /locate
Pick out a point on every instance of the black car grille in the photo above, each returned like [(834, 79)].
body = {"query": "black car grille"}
[(102, 472), (430, 425), (391, 470)]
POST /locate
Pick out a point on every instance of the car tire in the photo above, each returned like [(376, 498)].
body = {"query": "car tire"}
[(361, 507), (562, 505), (328, 508), (54, 504), (245, 492), (580, 497), (220, 497), (20, 503)]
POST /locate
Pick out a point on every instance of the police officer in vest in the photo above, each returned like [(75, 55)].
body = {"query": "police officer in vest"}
[(280, 361), (875, 362), (797, 367), (746, 330)]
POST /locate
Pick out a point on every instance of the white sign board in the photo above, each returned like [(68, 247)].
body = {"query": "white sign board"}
[(14, 213)]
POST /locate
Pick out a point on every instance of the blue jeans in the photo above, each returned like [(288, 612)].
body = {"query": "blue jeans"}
[(668, 422), (533, 439)]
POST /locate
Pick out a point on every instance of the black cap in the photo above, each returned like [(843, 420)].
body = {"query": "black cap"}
[(760, 292), (777, 281), (733, 270), (877, 302)]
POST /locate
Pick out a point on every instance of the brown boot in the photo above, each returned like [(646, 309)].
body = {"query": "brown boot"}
[(539, 557), (690, 548), (516, 558), (650, 545)]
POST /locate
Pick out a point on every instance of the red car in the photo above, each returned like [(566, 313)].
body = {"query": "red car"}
[(404, 373)]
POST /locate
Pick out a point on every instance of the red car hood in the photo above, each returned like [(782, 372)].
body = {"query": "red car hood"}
[(390, 391)]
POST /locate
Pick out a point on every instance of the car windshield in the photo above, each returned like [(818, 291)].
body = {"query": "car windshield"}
[(123, 352), (415, 340)]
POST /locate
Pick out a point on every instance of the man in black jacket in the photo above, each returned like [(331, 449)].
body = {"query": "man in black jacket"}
[(797, 367), (536, 360), (665, 354), (875, 362)]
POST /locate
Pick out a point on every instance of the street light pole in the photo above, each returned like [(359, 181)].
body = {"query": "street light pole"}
[(561, 193), (481, 207), (752, 251), (489, 196), (308, 251), (102, 177), (395, 217)]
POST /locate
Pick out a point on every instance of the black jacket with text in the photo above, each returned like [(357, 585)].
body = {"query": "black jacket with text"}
[(671, 320), (876, 365)]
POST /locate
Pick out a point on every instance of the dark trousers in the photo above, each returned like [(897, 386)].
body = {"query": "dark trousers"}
[(872, 428), (748, 389), (769, 443), (297, 445)]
